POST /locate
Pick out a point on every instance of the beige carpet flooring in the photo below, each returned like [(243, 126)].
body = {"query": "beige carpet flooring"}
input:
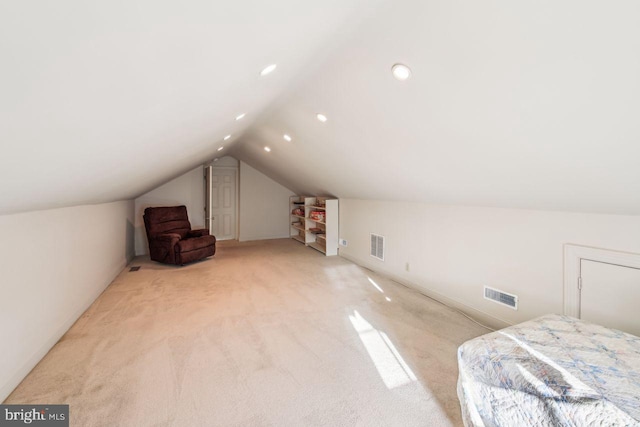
[(266, 333)]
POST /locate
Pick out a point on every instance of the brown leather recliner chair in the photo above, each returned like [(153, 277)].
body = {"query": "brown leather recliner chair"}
[(171, 239)]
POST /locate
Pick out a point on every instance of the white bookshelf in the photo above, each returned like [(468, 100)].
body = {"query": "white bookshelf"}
[(314, 222)]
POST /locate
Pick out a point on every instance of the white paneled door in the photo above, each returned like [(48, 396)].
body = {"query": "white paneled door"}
[(610, 295), (222, 203)]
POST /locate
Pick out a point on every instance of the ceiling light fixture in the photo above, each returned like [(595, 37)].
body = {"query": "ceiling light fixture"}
[(220, 149), (401, 72), (267, 149), (321, 117), (240, 116), (268, 69), (226, 138), (287, 137)]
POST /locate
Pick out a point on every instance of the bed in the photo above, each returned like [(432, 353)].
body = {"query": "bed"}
[(551, 371)]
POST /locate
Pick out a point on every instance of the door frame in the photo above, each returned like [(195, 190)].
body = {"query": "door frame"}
[(573, 255), (236, 210)]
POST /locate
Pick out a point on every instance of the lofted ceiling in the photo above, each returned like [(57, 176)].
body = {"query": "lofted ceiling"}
[(105, 100), (513, 104)]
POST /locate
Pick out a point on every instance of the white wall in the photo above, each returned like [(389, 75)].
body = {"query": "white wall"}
[(262, 211), (54, 264), (454, 251), (187, 189), (264, 206)]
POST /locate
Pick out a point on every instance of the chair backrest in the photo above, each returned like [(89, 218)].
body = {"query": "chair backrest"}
[(172, 219)]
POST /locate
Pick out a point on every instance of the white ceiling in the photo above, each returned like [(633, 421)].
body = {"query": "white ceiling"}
[(104, 100), (512, 104), (515, 104)]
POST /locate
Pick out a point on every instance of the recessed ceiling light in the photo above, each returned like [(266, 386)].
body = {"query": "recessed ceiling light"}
[(321, 117), (268, 69), (287, 137), (226, 138), (267, 149), (220, 149), (240, 116), (401, 72)]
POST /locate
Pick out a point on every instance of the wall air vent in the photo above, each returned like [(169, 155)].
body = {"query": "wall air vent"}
[(501, 297), (377, 246)]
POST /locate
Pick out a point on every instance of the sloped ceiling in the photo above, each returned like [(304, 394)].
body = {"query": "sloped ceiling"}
[(513, 104), (105, 100)]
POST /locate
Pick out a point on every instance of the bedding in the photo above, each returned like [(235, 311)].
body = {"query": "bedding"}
[(551, 371)]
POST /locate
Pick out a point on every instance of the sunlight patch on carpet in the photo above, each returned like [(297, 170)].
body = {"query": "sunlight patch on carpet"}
[(392, 368)]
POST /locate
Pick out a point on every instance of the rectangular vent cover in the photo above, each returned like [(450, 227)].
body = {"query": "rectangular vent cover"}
[(377, 246), (136, 268), (501, 297)]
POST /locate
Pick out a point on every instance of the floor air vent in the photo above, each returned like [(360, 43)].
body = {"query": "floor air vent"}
[(136, 268), (377, 246), (501, 297)]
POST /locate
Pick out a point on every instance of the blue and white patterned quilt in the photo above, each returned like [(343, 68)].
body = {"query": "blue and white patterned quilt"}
[(551, 371)]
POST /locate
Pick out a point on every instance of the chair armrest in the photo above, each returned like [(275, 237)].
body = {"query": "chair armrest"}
[(172, 238), (198, 233)]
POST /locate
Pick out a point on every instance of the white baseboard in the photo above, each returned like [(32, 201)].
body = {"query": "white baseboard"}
[(479, 315), (36, 357), (256, 238)]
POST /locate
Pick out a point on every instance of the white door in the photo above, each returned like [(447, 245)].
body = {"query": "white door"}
[(207, 198), (610, 295), (223, 210)]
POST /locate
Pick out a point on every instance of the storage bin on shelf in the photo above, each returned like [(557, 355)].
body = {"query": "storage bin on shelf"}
[(317, 216)]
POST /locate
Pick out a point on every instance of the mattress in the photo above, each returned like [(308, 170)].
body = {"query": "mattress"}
[(551, 371)]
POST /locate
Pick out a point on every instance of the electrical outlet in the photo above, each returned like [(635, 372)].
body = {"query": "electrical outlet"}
[(407, 267), (343, 242)]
